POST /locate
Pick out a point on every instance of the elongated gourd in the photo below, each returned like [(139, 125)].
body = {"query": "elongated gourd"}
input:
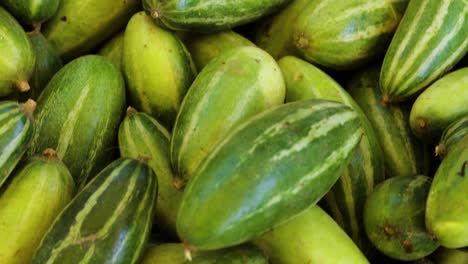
[(428, 42), (403, 153), (79, 26), (230, 89), (157, 67), (311, 237), (394, 218), (266, 171), (108, 221), (209, 15), (16, 133), (30, 203), (344, 35), (346, 199), (439, 105), (447, 206), (17, 55), (140, 135), (78, 115)]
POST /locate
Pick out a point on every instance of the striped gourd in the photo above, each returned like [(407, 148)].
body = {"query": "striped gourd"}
[(16, 132), (403, 153), (108, 221), (16, 53), (429, 41), (346, 199), (311, 237), (29, 205), (140, 135), (47, 64), (113, 49), (209, 15), (157, 67), (266, 171), (273, 33), (452, 135), (173, 253), (79, 26), (347, 34), (78, 115), (204, 47), (231, 88), (394, 218), (447, 206), (439, 105), (32, 11)]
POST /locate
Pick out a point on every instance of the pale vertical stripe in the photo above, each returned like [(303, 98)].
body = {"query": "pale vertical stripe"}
[(161, 129), (7, 151), (411, 31), (128, 143), (10, 124), (285, 195), (316, 131), (335, 211), (407, 148), (455, 32), (350, 202), (422, 43), (68, 128), (74, 233), (87, 258), (8, 114)]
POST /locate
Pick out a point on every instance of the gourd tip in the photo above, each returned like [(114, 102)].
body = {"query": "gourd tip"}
[(131, 111), (23, 86), (386, 100)]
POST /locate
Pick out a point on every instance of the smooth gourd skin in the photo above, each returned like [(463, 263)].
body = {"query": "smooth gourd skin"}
[(79, 26), (16, 53), (447, 206), (345, 35), (439, 105), (157, 67), (39, 191), (32, 11), (311, 237), (209, 16), (78, 115), (108, 221)]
